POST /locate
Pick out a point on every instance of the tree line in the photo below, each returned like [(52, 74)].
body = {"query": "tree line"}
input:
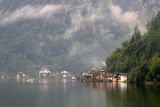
[(139, 56)]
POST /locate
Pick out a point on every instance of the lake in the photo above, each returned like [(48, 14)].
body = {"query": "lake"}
[(67, 93)]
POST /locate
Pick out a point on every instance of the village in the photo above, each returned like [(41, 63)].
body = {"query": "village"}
[(96, 75), (102, 75)]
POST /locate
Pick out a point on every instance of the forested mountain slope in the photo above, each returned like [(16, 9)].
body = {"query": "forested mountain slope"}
[(139, 56)]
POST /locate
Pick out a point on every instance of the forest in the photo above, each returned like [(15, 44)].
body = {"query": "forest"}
[(139, 56)]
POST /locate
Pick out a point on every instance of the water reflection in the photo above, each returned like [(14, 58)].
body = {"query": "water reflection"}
[(128, 95), (64, 80), (66, 93), (122, 86), (107, 85)]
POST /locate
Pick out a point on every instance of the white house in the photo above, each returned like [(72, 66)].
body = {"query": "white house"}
[(109, 76), (21, 75), (65, 74), (4, 75), (122, 77), (44, 72)]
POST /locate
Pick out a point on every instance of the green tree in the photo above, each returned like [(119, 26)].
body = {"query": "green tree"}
[(154, 66), (140, 57), (136, 35)]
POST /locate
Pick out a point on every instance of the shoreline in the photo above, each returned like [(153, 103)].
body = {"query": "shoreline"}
[(152, 83)]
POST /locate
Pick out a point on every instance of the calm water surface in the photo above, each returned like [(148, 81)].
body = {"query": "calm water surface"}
[(66, 93)]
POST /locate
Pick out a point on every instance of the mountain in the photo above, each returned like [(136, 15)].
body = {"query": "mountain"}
[(139, 56), (74, 35)]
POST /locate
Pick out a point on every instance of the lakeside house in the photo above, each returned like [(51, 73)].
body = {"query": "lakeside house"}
[(64, 74), (99, 75), (3, 75), (69, 75), (44, 72), (109, 77), (87, 76), (22, 75), (122, 77), (102, 75)]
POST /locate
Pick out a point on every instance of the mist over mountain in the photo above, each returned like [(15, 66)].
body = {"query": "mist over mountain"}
[(74, 35)]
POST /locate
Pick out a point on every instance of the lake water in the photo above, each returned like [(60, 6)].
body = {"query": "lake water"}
[(67, 93)]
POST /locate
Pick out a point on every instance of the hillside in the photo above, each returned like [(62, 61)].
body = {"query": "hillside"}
[(72, 35), (139, 56)]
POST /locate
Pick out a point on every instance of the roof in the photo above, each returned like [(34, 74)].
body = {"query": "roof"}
[(64, 72), (44, 71), (123, 74)]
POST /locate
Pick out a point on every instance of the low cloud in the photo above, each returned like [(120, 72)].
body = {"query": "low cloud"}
[(85, 30), (130, 19), (1, 1), (96, 26), (86, 14), (76, 22), (30, 12), (77, 48)]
